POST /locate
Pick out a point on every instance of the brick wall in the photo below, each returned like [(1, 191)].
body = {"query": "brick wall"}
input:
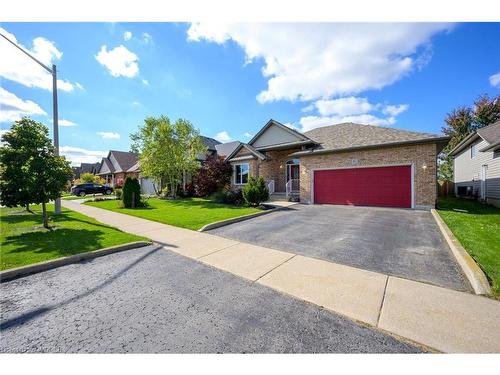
[(275, 169), (425, 188)]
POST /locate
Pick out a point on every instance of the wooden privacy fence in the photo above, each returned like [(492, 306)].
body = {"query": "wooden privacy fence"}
[(445, 188)]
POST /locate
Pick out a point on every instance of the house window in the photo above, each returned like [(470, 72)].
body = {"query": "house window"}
[(473, 151), (241, 173)]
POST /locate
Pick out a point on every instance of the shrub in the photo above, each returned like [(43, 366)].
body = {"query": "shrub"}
[(214, 175), (131, 193), (218, 197), (118, 193), (187, 192), (89, 178), (234, 197), (255, 191)]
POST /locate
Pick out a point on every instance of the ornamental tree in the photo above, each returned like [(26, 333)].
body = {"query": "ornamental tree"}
[(214, 175), (31, 172), (168, 151)]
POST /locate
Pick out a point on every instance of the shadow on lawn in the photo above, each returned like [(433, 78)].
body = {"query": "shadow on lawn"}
[(63, 241), (471, 206)]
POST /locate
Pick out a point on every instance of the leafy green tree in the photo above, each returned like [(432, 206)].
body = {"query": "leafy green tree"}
[(131, 193), (168, 151), (31, 172), (255, 191), (89, 178), (460, 122)]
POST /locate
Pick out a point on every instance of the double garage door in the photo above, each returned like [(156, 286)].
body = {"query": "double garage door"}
[(373, 186)]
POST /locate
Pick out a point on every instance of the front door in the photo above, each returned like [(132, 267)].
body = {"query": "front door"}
[(292, 172)]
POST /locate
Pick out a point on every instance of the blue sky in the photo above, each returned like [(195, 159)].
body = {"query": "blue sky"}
[(228, 80)]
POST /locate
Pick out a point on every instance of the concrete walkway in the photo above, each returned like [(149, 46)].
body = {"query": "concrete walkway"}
[(442, 319)]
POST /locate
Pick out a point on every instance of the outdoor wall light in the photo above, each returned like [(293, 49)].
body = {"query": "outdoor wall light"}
[(424, 166)]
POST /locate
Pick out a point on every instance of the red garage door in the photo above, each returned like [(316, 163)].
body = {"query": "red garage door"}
[(380, 186)]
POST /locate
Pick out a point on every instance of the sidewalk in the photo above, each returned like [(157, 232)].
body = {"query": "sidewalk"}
[(442, 319)]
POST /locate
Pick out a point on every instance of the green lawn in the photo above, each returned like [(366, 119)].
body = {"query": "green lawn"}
[(478, 230), (23, 240), (190, 213)]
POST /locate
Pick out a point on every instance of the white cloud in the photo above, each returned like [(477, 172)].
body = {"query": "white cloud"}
[(127, 35), (119, 61), (66, 123), (17, 67), (247, 135), (109, 135), (13, 108), (223, 136), (78, 85), (351, 109), (80, 155), (326, 59), (495, 80), (344, 106), (394, 110), (147, 38), (146, 82), (136, 103)]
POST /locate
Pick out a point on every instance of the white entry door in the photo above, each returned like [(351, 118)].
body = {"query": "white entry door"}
[(484, 170)]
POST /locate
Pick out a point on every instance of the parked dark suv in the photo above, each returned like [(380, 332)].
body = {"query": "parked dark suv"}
[(84, 189)]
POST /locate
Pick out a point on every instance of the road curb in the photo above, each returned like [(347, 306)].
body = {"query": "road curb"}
[(223, 223), (15, 273), (472, 271)]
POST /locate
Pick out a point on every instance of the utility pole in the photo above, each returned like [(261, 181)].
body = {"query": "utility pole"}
[(55, 121), (55, 114)]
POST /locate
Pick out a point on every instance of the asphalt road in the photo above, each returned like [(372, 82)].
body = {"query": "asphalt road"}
[(405, 243), (150, 300)]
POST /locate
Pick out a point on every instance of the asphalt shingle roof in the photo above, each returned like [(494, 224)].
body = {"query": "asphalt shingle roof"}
[(210, 142), (490, 133), (351, 135), (124, 159), (224, 149)]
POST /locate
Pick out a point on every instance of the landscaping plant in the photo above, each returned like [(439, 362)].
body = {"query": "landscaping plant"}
[(30, 170), (255, 191), (89, 178), (131, 193), (214, 175), (168, 151)]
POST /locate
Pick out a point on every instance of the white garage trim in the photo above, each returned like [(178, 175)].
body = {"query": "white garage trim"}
[(412, 183)]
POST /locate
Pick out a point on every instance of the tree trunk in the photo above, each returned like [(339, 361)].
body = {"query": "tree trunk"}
[(28, 208), (44, 216)]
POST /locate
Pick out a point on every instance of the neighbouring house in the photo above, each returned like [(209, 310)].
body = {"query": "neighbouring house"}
[(119, 165), (345, 163), (476, 165), (91, 168), (115, 167)]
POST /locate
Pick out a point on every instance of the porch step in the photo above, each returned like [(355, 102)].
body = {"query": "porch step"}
[(278, 197)]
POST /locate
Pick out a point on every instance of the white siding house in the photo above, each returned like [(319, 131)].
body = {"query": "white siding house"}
[(476, 165)]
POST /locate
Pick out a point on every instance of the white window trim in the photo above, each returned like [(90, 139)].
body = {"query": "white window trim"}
[(473, 147), (234, 173)]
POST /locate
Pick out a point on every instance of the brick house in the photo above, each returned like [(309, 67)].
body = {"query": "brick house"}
[(117, 166), (343, 164)]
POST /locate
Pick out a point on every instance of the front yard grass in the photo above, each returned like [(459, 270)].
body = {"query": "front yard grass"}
[(23, 240), (190, 213), (478, 230)]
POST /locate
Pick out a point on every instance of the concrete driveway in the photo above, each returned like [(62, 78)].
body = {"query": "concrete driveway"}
[(397, 242), (151, 300)]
